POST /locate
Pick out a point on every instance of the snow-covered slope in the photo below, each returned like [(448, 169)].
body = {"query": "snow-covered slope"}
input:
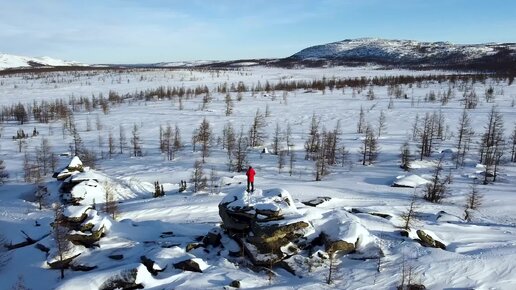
[(16, 61), (404, 51)]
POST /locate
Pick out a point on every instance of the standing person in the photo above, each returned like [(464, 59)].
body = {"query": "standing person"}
[(250, 179)]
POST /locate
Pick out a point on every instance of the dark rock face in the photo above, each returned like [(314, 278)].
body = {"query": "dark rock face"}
[(87, 239), (188, 265), (235, 284), (333, 246), (117, 257), (212, 238), (62, 264), (412, 287), (149, 264), (317, 201)]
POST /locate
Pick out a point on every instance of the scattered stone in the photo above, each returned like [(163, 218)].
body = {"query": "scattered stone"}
[(188, 265), (317, 201), (62, 264), (382, 215), (235, 284), (149, 264), (192, 246), (404, 233), (123, 280), (212, 238), (428, 241), (116, 257)]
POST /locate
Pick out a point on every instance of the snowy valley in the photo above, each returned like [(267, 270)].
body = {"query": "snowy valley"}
[(367, 178)]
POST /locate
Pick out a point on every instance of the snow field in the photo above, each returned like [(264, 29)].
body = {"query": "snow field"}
[(480, 254)]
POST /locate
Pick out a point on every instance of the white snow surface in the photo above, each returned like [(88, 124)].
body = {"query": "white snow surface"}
[(411, 180), (74, 211), (480, 254)]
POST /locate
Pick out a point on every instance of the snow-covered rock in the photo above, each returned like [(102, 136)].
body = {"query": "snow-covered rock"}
[(342, 232), (412, 181)]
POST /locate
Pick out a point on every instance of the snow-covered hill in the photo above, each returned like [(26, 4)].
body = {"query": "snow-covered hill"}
[(406, 52), (15, 61)]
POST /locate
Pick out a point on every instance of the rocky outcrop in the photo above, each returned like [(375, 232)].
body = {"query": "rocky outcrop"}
[(269, 230), (85, 224), (266, 224)]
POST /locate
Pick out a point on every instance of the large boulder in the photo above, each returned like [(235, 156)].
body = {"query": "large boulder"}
[(271, 243)]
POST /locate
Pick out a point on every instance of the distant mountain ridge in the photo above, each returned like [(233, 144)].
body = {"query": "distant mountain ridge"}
[(410, 53), (393, 53), (9, 61)]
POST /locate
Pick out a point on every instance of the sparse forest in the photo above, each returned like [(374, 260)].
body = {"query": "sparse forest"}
[(360, 168)]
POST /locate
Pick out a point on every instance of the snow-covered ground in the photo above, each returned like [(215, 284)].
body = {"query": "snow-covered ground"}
[(16, 61), (479, 254)]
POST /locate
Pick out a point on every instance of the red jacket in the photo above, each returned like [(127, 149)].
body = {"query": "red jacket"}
[(250, 174)]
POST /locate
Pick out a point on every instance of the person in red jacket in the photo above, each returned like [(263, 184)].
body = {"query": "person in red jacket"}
[(250, 179)]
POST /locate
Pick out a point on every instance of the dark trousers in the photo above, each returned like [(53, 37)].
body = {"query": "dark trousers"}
[(250, 186)]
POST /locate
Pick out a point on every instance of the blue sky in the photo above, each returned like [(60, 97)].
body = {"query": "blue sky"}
[(145, 31)]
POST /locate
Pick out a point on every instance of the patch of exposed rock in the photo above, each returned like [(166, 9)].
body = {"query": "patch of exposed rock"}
[(428, 241), (317, 201)]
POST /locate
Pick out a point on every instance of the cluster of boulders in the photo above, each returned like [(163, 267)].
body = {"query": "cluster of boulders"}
[(269, 230), (77, 223)]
